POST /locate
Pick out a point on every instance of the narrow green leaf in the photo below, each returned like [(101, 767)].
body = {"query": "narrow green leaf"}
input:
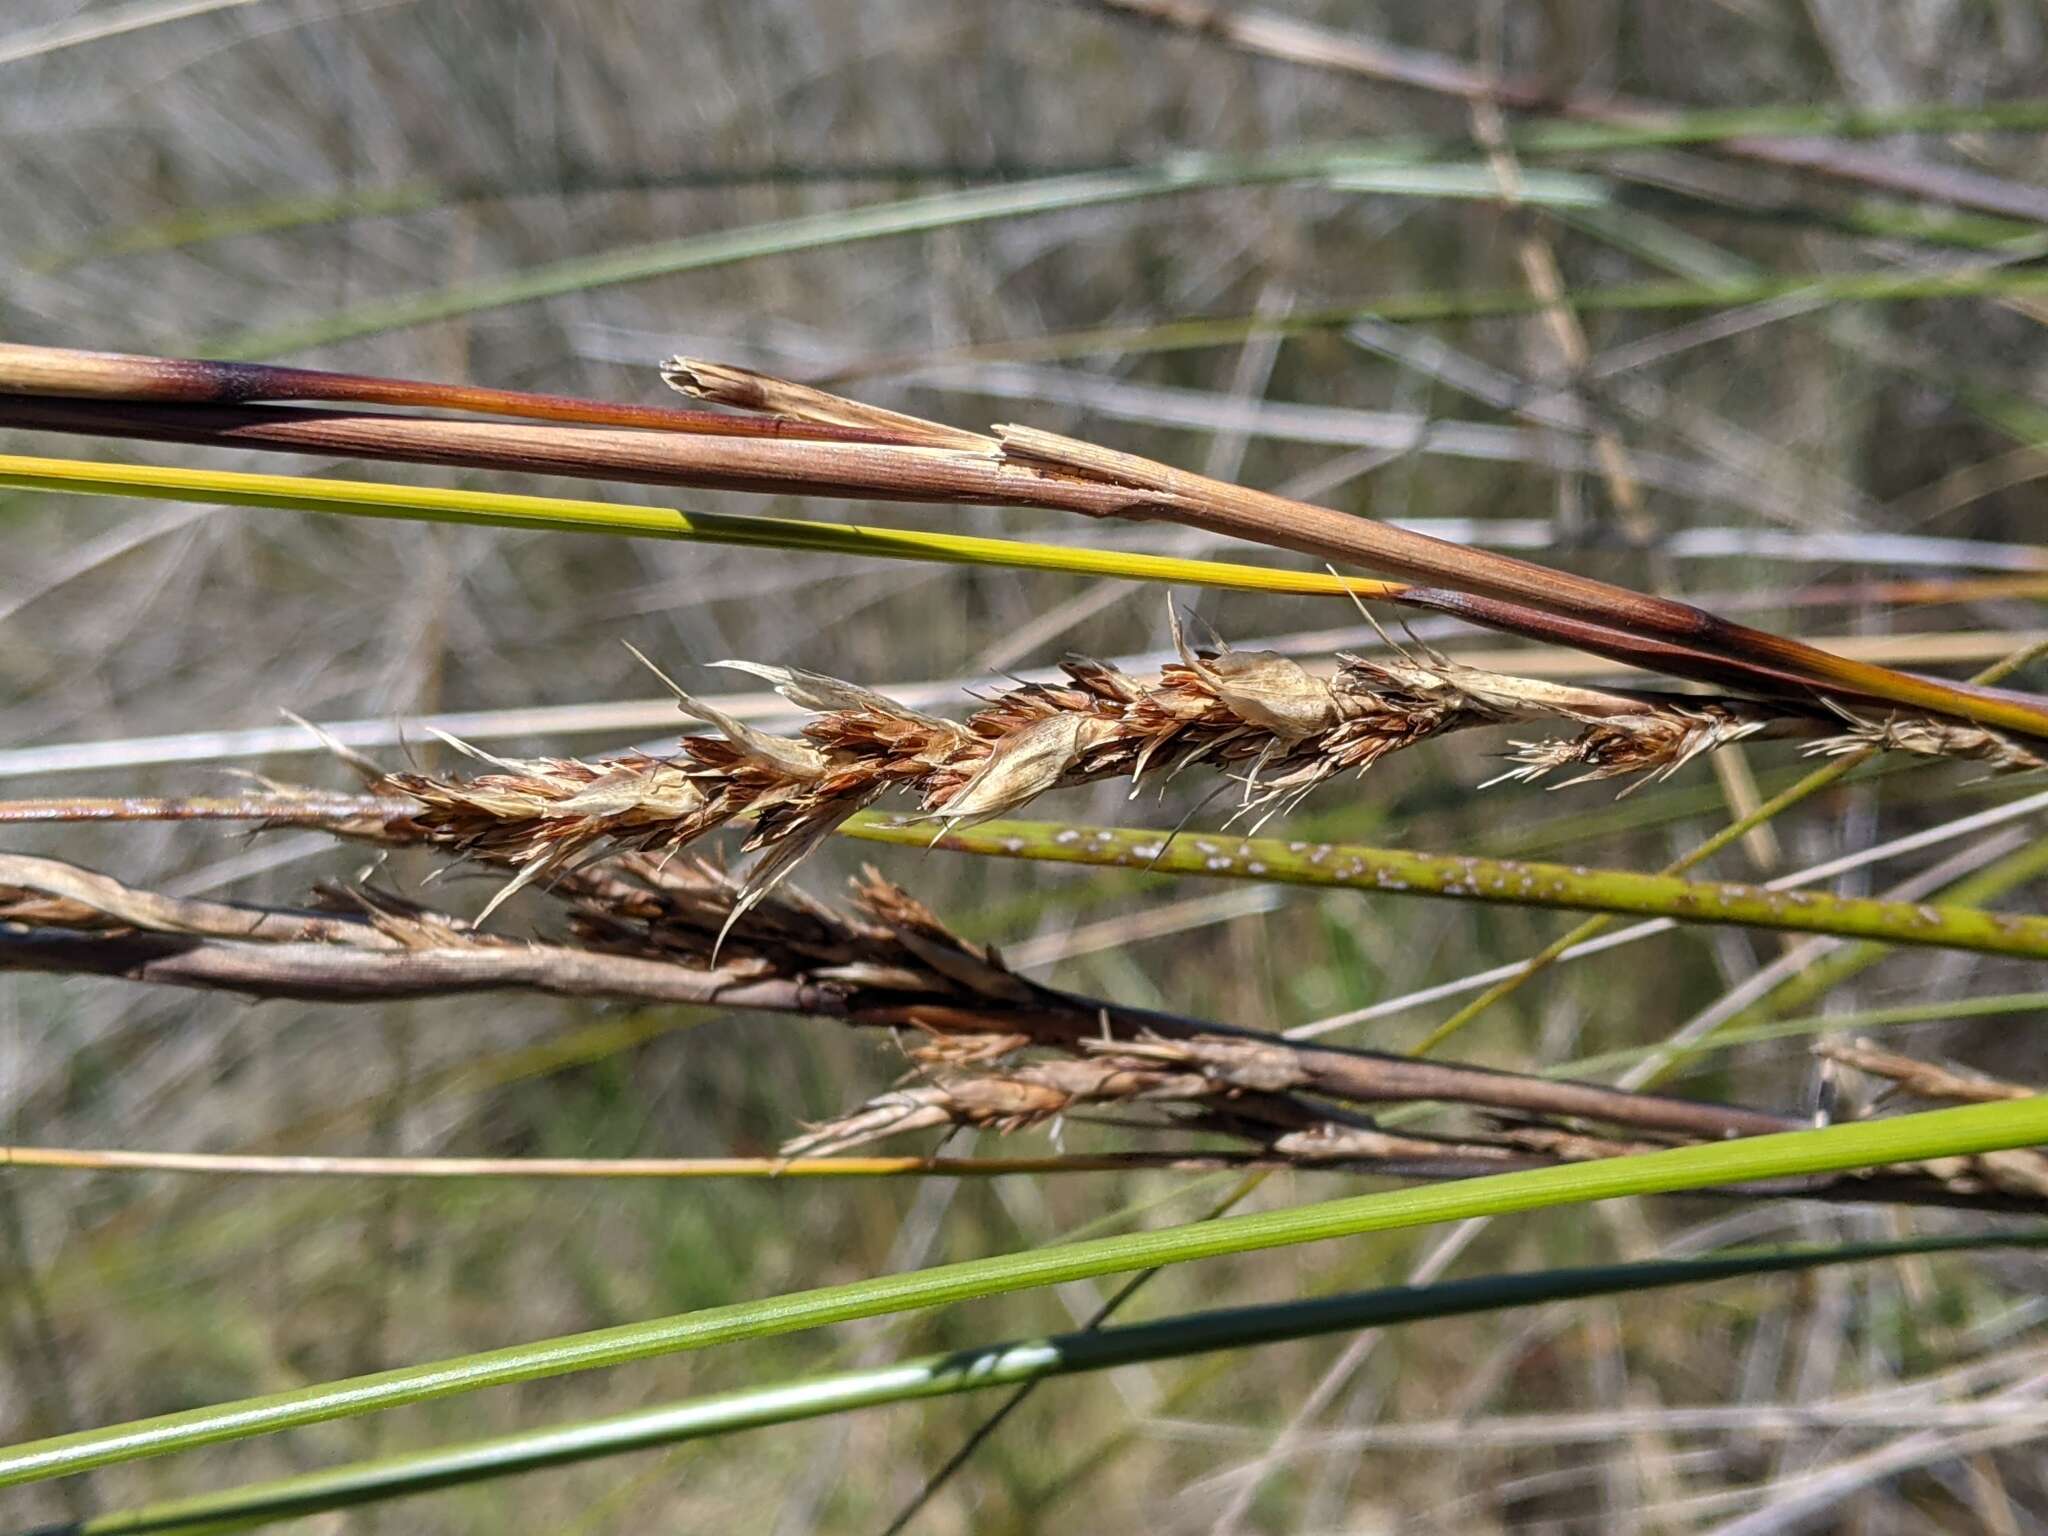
[(1813, 1024), (1188, 172), (1494, 303), (973, 1370), (905, 216), (1961, 1132), (1532, 139), (499, 509)]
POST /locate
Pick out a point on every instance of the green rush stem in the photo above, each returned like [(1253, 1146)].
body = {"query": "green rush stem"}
[(1830, 971), (1022, 1362), (1344, 866), (1478, 304), (1779, 803), (1170, 176), (1731, 1034), (498, 509), (1535, 139), (980, 1434), (1482, 586), (1734, 832), (1965, 1132)]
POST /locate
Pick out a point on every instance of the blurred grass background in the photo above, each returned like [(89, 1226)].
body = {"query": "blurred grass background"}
[(184, 178)]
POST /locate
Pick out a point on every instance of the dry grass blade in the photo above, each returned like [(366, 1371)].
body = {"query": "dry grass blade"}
[(1921, 1079), (106, 22), (762, 392)]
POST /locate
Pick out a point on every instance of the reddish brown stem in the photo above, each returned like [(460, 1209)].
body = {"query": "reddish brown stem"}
[(900, 472), (1042, 469), (1240, 512), (66, 371), (885, 470)]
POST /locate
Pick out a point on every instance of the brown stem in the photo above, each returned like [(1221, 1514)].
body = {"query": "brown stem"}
[(332, 973), (1369, 1077), (1518, 597), (1242, 1084), (1041, 469), (902, 472), (269, 808), (328, 957), (67, 371), (1241, 512), (889, 471)]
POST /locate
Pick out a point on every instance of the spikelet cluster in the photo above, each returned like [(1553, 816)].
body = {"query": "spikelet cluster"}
[(1276, 730), (1927, 737)]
